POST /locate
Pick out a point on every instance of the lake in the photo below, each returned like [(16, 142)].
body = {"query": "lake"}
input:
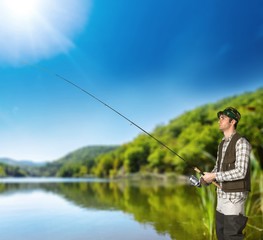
[(97, 209)]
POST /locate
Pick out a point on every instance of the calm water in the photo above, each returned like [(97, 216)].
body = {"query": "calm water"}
[(76, 209), (98, 210), (37, 214)]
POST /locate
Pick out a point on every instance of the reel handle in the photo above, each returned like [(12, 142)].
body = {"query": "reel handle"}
[(213, 182)]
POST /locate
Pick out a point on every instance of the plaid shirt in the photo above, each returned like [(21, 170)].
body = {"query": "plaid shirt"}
[(243, 149)]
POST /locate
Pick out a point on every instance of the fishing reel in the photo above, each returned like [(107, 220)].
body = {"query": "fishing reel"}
[(194, 181)]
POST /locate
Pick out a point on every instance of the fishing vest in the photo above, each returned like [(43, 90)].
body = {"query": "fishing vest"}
[(228, 163)]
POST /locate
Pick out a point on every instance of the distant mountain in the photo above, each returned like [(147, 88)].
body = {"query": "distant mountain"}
[(20, 163), (86, 154), (79, 160), (75, 164)]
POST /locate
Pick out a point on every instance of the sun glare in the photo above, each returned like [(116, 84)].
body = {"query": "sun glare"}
[(21, 10), (31, 30)]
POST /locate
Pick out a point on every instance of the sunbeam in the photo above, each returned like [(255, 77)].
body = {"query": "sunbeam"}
[(31, 30)]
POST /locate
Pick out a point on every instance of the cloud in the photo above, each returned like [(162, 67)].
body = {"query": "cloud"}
[(39, 31)]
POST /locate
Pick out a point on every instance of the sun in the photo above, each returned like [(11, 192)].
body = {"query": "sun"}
[(31, 30), (24, 10)]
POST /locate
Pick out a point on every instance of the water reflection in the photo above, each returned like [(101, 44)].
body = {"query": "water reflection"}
[(99, 209), (167, 210)]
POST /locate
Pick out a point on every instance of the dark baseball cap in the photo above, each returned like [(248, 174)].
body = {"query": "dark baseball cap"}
[(231, 113)]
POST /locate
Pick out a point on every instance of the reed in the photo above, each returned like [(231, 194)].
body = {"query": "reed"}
[(208, 201), (254, 204)]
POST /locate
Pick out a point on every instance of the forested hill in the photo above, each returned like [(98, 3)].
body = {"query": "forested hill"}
[(75, 164), (194, 136)]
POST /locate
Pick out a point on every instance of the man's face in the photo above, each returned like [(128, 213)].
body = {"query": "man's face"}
[(225, 122)]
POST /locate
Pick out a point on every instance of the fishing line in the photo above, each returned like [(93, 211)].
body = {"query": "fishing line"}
[(123, 116)]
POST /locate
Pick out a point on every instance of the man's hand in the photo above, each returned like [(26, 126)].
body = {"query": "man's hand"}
[(203, 182), (209, 177)]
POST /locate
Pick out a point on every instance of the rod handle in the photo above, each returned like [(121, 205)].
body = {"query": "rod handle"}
[(213, 182)]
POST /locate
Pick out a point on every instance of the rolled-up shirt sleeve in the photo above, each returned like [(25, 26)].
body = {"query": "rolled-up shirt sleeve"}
[(243, 149)]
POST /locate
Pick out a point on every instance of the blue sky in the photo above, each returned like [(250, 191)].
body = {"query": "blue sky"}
[(151, 60)]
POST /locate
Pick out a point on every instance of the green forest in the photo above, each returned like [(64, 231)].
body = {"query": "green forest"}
[(12, 171), (194, 136)]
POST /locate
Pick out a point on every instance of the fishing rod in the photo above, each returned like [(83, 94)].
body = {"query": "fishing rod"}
[(193, 180)]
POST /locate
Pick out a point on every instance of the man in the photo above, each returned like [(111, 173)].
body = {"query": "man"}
[(232, 172)]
